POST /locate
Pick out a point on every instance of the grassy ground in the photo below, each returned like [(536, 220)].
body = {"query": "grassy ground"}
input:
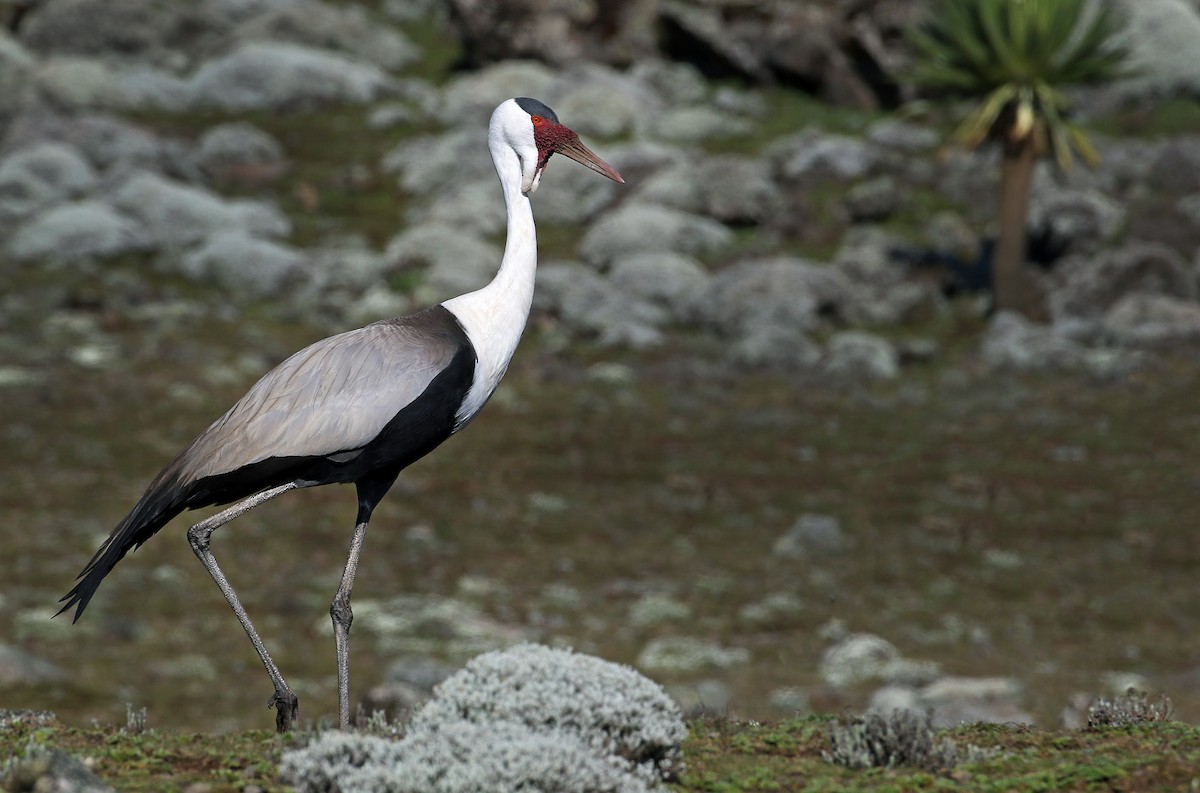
[(722, 757)]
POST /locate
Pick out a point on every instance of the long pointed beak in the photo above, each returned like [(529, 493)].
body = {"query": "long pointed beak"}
[(573, 147)]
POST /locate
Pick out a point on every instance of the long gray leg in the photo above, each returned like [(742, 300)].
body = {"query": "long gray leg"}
[(342, 616), (285, 702)]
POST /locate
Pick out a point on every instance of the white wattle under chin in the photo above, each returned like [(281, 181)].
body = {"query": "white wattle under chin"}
[(531, 185)]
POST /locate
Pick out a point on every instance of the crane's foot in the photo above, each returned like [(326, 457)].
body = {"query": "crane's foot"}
[(287, 709)]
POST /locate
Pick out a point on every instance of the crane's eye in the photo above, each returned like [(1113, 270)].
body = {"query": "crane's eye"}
[(537, 119)]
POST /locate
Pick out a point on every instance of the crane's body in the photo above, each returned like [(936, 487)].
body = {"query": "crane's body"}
[(360, 406)]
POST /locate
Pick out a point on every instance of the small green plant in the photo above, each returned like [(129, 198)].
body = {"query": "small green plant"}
[(901, 738), (1134, 707)]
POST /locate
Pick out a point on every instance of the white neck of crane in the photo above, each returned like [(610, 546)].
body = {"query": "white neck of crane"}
[(494, 316)]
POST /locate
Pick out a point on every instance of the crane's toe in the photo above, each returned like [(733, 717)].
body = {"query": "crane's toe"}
[(287, 709)]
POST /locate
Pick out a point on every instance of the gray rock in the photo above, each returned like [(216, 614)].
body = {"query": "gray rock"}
[(1086, 287), (864, 657), (634, 228), (428, 625), (76, 82), (693, 124), (1164, 37), (175, 215), (82, 230), (19, 668), (811, 533), (1015, 342), (1149, 320), (873, 200), (471, 97), (475, 209), (858, 354), (589, 305), (346, 28), (108, 142), (133, 29), (879, 292), (903, 136), (424, 163), (773, 347), (1176, 166), (42, 768), (16, 66), (814, 154), (709, 697), (1083, 220), (782, 293), (422, 673), (148, 88), (237, 145), (597, 100), (671, 280), (953, 701), (570, 194), (280, 76), (730, 188), (40, 176), (456, 262), (689, 655), (248, 267), (676, 83)]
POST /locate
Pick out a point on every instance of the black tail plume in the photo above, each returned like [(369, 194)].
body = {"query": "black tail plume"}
[(162, 501)]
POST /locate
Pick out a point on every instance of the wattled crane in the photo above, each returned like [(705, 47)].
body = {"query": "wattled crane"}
[(359, 406)]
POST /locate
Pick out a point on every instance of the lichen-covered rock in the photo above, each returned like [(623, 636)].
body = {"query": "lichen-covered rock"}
[(858, 354), (78, 230), (248, 267), (1015, 342), (634, 228), (688, 655), (176, 215), (40, 176), (279, 76), (863, 657), (237, 146)]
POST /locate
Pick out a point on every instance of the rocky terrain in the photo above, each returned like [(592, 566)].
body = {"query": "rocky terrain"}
[(190, 191)]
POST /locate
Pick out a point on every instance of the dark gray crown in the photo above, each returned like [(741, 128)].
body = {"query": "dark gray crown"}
[(535, 108)]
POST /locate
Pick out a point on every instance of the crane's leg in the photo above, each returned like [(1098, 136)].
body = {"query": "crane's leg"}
[(285, 702), (370, 492), (342, 616)]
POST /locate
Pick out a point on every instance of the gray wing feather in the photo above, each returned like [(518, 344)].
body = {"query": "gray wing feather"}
[(332, 397)]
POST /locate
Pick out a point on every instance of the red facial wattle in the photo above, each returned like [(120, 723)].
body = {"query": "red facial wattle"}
[(551, 137)]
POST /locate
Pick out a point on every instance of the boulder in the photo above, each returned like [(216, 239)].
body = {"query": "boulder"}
[(1148, 320), (134, 30), (814, 154), (176, 215), (40, 176), (589, 305), (237, 150), (1015, 342), (864, 657), (247, 267), (668, 279), (456, 262), (861, 355), (347, 28), (1176, 166), (261, 75), (471, 97), (77, 230), (633, 228), (1164, 39), (952, 701), (730, 188), (1087, 287), (783, 293)]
